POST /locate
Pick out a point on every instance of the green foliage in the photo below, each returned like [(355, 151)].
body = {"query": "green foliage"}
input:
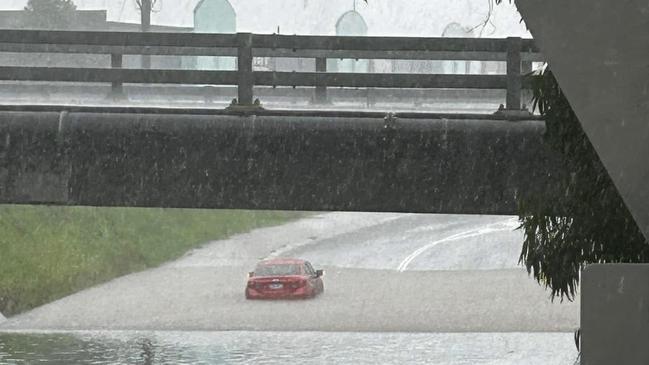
[(50, 14), (589, 223), (49, 252)]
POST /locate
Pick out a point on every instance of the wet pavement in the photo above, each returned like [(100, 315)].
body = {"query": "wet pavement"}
[(384, 272)]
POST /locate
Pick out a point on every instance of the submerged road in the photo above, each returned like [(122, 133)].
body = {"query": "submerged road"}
[(384, 272)]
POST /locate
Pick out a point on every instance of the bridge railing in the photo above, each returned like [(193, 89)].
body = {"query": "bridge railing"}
[(516, 52)]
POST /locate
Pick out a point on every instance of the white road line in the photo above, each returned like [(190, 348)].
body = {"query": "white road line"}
[(279, 252), (489, 228)]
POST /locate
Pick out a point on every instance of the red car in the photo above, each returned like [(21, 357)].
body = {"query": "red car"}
[(284, 279)]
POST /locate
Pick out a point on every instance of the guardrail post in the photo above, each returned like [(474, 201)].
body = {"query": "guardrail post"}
[(117, 88), (526, 67), (526, 94), (514, 84), (321, 90), (244, 67)]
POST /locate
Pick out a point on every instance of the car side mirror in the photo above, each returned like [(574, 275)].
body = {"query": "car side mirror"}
[(251, 274), (319, 273)]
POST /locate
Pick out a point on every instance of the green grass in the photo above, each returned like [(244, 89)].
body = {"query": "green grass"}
[(50, 252)]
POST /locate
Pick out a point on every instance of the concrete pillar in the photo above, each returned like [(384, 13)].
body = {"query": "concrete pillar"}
[(321, 91), (117, 88), (513, 73), (244, 67), (614, 314)]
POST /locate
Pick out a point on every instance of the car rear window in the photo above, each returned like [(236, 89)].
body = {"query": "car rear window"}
[(280, 269)]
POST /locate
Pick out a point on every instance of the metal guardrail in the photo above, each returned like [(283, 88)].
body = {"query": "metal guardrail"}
[(516, 52)]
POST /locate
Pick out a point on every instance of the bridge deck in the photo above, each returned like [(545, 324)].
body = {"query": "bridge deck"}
[(294, 160)]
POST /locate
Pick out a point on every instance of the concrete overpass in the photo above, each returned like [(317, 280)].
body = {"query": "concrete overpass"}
[(271, 160), (249, 157)]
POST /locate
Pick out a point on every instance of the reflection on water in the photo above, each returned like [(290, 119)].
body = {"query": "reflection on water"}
[(283, 347)]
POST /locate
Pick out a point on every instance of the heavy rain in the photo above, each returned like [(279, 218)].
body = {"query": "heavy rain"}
[(324, 182)]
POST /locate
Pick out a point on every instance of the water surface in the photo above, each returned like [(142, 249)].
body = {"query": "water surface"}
[(128, 347)]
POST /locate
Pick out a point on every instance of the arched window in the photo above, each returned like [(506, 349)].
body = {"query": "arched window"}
[(214, 16), (455, 30), (350, 24)]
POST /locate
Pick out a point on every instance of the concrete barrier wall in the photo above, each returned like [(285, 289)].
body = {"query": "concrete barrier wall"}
[(456, 100), (272, 162)]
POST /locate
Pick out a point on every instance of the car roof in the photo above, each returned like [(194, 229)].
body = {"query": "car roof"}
[(282, 261)]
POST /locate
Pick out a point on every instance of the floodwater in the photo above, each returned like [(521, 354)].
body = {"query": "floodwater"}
[(129, 347)]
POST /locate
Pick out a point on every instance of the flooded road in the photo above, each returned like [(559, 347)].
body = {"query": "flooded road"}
[(383, 272), (212, 299), (399, 288), (150, 348)]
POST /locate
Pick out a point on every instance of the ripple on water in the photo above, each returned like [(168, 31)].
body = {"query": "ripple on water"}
[(281, 347)]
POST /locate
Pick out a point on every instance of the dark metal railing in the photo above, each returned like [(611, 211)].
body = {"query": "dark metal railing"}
[(517, 52)]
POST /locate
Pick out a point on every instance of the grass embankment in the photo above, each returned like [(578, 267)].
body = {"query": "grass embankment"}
[(50, 252)]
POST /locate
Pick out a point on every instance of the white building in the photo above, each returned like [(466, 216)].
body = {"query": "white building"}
[(417, 18)]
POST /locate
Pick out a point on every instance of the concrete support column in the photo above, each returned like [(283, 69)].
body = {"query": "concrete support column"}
[(244, 66), (321, 90), (117, 88), (513, 73)]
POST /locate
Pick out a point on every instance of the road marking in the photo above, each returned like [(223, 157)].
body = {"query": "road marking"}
[(489, 228), (310, 241)]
